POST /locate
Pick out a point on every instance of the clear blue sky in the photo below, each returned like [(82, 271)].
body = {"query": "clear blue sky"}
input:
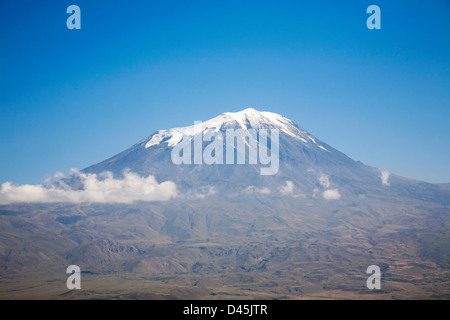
[(72, 98)]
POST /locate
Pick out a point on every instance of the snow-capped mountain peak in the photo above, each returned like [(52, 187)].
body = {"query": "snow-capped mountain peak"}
[(246, 119)]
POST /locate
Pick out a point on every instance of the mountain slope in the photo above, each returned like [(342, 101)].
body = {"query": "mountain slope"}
[(309, 163)]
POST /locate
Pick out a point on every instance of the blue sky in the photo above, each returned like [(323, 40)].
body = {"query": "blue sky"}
[(72, 98)]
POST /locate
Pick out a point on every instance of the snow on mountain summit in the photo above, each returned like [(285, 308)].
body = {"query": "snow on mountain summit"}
[(246, 119)]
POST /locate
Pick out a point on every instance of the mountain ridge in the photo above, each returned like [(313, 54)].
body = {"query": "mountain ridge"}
[(303, 159)]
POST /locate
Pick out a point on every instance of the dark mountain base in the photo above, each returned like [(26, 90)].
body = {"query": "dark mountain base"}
[(212, 249)]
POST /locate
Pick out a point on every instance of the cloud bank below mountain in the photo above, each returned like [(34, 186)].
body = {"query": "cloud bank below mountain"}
[(95, 188)]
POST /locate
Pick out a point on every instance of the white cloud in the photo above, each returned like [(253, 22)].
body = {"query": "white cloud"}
[(205, 192), (253, 189), (315, 192), (324, 181), (288, 188), (385, 177), (102, 188), (332, 194)]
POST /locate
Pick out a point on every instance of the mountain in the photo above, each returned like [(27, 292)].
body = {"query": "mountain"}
[(310, 230), (308, 163)]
